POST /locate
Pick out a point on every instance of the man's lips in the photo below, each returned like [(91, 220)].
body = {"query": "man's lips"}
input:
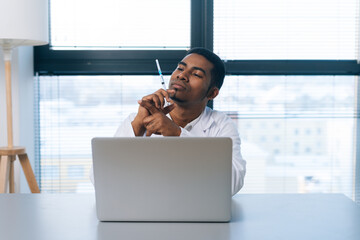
[(177, 86)]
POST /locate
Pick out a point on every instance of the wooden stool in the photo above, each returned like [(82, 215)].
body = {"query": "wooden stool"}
[(7, 158)]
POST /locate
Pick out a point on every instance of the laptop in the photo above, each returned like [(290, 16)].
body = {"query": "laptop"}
[(163, 179)]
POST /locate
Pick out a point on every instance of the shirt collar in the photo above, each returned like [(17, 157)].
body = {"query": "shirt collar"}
[(204, 120)]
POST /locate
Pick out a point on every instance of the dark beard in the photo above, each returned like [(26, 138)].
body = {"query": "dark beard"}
[(175, 99)]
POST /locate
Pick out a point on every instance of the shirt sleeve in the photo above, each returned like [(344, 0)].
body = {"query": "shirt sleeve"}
[(238, 163), (226, 128), (124, 130)]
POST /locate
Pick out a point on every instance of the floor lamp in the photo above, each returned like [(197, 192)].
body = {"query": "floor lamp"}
[(22, 23)]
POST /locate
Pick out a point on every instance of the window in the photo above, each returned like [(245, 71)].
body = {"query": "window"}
[(114, 24), (285, 29), (283, 100), (291, 83)]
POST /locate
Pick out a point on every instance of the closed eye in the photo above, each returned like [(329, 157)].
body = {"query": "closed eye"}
[(197, 75)]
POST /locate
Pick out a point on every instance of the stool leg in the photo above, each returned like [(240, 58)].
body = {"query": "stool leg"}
[(29, 174), (4, 173), (11, 174)]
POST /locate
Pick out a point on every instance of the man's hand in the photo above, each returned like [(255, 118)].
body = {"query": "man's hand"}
[(157, 122), (157, 99)]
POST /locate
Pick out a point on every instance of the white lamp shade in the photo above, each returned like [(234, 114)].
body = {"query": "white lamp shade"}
[(23, 22)]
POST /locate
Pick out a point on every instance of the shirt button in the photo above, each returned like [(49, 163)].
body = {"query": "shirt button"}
[(189, 128)]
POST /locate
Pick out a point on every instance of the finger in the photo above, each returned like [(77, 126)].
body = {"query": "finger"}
[(161, 98), (170, 93), (168, 109), (153, 98), (162, 93), (171, 101), (147, 124), (141, 106), (147, 120), (167, 93), (150, 129), (150, 107), (157, 100), (148, 133)]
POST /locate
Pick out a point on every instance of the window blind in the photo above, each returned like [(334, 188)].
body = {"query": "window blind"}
[(71, 110), (297, 131), (119, 24), (286, 29)]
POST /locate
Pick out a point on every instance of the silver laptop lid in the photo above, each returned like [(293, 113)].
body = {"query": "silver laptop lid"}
[(162, 179)]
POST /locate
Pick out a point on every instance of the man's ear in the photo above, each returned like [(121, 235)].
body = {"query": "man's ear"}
[(214, 91)]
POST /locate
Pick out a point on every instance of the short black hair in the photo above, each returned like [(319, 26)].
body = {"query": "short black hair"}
[(218, 71)]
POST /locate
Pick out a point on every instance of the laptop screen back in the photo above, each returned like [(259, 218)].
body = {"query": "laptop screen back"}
[(162, 179)]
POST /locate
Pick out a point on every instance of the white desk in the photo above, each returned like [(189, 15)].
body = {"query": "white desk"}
[(258, 216)]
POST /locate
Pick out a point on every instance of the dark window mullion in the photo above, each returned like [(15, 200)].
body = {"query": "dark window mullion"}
[(202, 24), (292, 67), (209, 25), (87, 62)]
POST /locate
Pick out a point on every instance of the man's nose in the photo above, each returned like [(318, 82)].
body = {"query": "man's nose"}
[(183, 76)]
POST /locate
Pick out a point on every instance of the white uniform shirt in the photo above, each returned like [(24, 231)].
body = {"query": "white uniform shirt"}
[(210, 123)]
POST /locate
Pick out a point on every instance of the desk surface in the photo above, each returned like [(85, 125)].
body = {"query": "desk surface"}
[(254, 216)]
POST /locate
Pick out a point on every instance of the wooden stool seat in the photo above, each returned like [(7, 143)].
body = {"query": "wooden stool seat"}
[(6, 151), (7, 158)]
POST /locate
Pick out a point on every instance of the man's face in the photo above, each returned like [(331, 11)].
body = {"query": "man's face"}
[(191, 80)]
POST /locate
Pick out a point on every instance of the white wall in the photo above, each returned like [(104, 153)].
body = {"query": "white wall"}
[(23, 105)]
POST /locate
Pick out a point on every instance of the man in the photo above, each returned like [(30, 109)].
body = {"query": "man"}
[(196, 80)]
